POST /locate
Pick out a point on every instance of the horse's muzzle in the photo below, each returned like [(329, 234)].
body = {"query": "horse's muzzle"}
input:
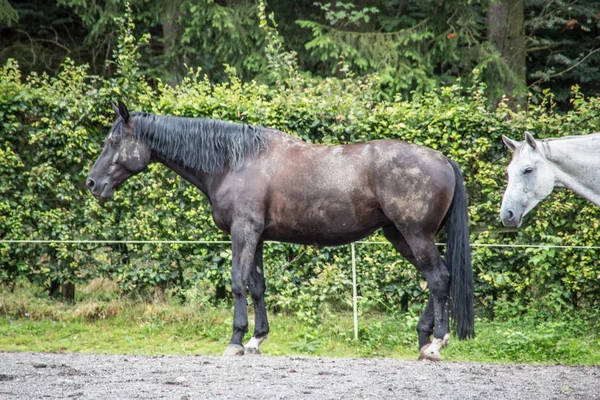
[(510, 219), (98, 190)]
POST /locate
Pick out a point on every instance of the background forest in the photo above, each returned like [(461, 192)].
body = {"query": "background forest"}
[(520, 46), (453, 75)]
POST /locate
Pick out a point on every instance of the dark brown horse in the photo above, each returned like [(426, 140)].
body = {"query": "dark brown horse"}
[(263, 184)]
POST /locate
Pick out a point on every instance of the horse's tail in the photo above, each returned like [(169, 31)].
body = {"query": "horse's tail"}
[(458, 259)]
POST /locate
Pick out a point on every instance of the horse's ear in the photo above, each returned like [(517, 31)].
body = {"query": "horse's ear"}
[(115, 109), (530, 140), (511, 144), (123, 112)]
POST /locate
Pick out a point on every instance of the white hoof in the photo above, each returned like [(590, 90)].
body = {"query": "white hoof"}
[(431, 351), (234, 350), (253, 345)]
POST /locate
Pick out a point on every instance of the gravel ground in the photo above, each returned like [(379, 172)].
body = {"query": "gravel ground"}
[(86, 376)]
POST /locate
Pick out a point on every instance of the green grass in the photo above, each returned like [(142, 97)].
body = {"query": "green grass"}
[(30, 322)]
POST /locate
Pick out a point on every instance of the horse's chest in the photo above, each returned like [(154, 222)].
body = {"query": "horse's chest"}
[(221, 223), (222, 219)]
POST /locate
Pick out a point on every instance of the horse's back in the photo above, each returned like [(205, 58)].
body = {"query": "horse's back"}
[(337, 194), (318, 194), (331, 194)]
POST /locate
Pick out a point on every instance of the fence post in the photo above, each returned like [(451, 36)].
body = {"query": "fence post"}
[(354, 305)]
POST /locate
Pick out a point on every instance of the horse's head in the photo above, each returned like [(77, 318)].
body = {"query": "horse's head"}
[(123, 156), (530, 180)]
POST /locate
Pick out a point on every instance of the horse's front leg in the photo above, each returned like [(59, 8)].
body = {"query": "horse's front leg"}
[(245, 238), (257, 292)]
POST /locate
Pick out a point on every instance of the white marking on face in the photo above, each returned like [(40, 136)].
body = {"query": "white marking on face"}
[(124, 150)]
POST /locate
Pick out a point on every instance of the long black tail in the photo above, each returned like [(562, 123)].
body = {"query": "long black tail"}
[(458, 260)]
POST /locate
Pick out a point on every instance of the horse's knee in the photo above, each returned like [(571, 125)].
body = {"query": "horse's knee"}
[(238, 288), (257, 291), (256, 285)]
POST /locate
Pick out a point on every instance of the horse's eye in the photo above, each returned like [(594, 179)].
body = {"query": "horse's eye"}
[(528, 170)]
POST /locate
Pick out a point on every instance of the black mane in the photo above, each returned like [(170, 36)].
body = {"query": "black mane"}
[(202, 144)]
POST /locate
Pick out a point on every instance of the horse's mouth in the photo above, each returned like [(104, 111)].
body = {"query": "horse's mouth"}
[(106, 193), (109, 190), (513, 223)]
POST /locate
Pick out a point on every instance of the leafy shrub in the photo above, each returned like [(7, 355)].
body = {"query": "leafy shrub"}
[(53, 129)]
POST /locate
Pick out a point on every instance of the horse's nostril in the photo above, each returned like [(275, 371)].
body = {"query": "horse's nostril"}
[(91, 184), (511, 215)]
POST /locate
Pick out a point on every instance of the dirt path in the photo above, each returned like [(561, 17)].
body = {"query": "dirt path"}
[(83, 376)]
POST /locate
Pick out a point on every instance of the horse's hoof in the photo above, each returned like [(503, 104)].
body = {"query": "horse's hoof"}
[(252, 350), (234, 350), (431, 351), (253, 345)]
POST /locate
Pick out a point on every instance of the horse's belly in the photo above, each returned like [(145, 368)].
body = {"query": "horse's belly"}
[(324, 226), (321, 239)]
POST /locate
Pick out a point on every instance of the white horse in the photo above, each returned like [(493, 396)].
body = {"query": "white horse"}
[(537, 166)]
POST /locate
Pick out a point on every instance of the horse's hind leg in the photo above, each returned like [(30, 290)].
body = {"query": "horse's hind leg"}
[(422, 252), (425, 325), (257, 287), (437, 276)]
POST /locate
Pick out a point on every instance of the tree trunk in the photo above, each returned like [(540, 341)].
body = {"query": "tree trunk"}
[(54, 288), (220, 293), (68, 292), (169, 30), (506, 31)]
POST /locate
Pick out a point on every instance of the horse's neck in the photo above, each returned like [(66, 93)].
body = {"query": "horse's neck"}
[(577, 164), (201, 180)]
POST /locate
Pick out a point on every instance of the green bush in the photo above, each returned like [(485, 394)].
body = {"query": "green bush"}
[(53, 129)]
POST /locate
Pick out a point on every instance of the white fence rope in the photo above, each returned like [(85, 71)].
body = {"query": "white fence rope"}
[(497, 245)]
